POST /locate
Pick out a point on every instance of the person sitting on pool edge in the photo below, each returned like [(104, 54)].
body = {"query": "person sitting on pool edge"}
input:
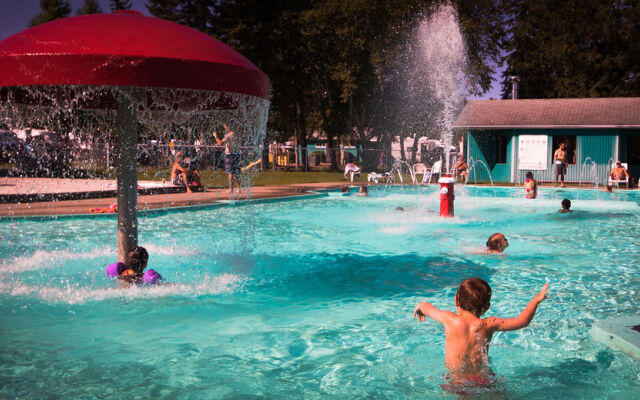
[(497, 243), (467, 336), (136, 262), (530, 186), (179, 173), (566, 206)]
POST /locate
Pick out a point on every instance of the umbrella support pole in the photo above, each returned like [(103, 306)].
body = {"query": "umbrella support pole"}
[(127, 174)]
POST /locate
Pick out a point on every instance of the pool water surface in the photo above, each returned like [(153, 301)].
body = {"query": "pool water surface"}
[(313, 298)]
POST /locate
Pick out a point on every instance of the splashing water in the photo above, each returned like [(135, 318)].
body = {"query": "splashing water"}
[(443, 54), (86, 116)]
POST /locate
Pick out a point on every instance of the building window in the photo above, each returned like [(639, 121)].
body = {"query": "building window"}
[(570, 142), (633, 149), (501, 149)]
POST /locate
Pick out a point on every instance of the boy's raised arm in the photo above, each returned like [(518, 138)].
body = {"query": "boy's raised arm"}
[(427, 309), (525, 317), (218, 141)]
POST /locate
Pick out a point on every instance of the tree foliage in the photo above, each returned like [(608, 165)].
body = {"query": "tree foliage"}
[(51, 10), (116, 5), (339, 67), (89, 7), (579, 48), (197, 14)]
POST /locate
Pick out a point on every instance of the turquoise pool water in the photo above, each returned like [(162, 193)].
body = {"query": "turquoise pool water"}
[(314, 298)]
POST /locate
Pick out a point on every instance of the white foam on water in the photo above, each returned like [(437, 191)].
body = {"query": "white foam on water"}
[(175, 250), (41, 259), (414, 217), (77, 294), (396, 230), (515, 203), (44, 259)]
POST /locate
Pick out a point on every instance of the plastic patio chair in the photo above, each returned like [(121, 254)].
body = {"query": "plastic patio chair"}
[(616, 182), (419, 169)]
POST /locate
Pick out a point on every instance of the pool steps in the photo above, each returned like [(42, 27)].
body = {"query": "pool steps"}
[(618, 334)]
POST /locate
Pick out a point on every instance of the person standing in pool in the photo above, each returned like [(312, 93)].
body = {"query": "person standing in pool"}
[(530, 186), (560, 160), (566, 206), (231, 159), (467, 336), (497, 243)]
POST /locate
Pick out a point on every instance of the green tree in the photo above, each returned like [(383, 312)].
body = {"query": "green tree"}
[(579, 48), (51, 10), (269, 35), (364, 49), (194, 13), (119, 5), (89, 7), (337, 66)]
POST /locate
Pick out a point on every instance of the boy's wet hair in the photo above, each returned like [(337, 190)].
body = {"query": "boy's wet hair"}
[(529, 174), (493, 243), (137, 259), (566, 204), (474, 295)]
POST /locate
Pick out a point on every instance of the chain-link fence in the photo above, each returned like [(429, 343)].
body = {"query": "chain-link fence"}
[(46, 156)]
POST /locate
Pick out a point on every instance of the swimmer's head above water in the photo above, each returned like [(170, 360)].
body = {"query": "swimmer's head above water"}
[(474, 295), (566, 205), (497, 243), (137, 259)]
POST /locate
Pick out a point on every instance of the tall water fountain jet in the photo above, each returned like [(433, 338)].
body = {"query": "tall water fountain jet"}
[(443, 55)]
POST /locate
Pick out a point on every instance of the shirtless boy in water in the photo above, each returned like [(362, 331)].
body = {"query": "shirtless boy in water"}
[(467, 335)]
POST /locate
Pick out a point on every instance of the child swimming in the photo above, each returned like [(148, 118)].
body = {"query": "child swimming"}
[(468, 336), (497, 243), (134, 268)]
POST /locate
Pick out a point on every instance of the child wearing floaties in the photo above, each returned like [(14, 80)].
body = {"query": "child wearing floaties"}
[(135, 264), (468, 336), (133, 271)]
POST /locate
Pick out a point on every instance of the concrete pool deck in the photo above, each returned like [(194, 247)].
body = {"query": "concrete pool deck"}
[(103, 194), (23, 197)]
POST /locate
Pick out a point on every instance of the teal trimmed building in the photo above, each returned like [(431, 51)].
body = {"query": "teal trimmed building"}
[(515, 136)]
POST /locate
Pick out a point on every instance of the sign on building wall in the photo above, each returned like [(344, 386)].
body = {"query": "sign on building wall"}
[(532, 152)]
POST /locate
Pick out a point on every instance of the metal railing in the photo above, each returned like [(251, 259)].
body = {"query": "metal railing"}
[(92, 159)]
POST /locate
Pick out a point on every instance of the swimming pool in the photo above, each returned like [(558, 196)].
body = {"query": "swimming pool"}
[(314, 298)]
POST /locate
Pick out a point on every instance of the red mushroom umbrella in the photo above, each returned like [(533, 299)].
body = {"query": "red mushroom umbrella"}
[(135, 68)]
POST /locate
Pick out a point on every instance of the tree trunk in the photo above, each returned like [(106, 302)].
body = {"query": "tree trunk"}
[(414, 150), (333, 153), (301, 135)]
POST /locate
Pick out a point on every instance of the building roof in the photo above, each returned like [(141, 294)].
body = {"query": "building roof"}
[(584, 113)]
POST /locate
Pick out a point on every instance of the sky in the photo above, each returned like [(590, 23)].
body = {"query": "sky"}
[(16, 15)]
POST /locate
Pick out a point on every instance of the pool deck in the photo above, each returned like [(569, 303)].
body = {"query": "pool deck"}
[(103, 193)]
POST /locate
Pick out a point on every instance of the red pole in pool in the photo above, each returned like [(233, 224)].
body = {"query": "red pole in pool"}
[(446, 195)]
